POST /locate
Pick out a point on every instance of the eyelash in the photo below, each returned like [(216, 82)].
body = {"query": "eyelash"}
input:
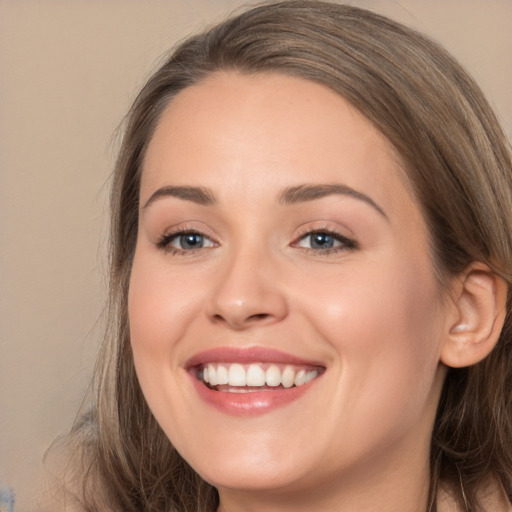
[(345, 244), (164, 242)]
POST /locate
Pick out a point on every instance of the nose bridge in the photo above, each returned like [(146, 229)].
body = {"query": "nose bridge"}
[(248, 290)]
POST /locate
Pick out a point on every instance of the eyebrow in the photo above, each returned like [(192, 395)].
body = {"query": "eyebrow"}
[(302, 193), (290, 195), (197, 195)]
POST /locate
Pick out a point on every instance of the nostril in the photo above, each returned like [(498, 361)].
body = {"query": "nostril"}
[(259, 316), (246, 307)]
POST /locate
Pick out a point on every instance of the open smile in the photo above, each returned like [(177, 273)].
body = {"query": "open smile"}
[(251, 381), (240, 378)]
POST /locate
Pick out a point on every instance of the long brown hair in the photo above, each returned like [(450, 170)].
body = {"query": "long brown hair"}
[(459, 165)]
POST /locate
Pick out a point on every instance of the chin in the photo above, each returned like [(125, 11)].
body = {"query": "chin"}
[(241, 477)]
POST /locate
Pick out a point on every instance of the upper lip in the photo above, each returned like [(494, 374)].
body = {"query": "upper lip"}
[(248, 355)]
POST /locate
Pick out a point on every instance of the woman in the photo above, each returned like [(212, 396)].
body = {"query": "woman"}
[(311, 259)]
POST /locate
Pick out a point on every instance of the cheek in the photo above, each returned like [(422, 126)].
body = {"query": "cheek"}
[(385, 326), (382, 302), (159, 312)]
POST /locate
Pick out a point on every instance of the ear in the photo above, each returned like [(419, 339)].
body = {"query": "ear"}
[(480, 298)]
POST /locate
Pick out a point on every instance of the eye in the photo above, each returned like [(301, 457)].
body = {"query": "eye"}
[(325, 242), (318, 241), (184, 242), (189, 241)]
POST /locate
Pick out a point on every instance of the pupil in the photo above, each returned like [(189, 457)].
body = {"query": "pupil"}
[(321, 241), (191, 241)]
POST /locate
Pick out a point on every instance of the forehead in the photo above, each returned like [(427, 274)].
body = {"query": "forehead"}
[(234, 129)]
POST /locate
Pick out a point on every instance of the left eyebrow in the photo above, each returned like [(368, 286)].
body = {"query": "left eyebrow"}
[(310, 192)]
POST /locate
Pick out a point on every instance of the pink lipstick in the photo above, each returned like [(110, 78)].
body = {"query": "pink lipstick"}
[(251, 381)]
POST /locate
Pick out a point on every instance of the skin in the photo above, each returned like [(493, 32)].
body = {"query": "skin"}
[(373, 314)]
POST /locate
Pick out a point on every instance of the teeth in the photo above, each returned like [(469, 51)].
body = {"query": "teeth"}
[(300, 378), (288, 377), (273, 376), (222, 375), (212, 374), (256, 375), (311, 375), (236, 375)]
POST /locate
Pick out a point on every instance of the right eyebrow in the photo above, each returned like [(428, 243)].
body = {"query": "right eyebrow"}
[(199, 195)]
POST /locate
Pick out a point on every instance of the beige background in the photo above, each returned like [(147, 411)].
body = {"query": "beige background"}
[(68, 72)]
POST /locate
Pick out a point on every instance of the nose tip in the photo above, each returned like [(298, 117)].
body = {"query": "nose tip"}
[(246, 297)]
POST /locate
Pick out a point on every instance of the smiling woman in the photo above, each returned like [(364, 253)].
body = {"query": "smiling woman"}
[(311, 258)]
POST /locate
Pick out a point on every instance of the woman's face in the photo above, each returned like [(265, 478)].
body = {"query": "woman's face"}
[(281, 257)]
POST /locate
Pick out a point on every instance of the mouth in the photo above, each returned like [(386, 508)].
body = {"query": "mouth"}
[(251, 381), (249, 378)]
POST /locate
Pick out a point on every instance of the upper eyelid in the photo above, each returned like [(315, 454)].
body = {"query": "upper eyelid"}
[(337, 236), (322, 227), (187, 227), (172, 234)]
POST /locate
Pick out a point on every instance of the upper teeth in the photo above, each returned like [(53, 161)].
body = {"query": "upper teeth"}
[(255, 375)]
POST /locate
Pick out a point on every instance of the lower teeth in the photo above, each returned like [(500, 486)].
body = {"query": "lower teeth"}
[(243, 389)]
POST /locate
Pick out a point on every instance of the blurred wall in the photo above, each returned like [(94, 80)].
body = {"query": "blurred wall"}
[(68, 72)]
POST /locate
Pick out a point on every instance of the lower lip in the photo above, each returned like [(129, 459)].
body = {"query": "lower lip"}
[(252, 403)]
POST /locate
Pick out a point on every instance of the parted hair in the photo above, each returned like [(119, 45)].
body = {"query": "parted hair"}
[(458, 163)]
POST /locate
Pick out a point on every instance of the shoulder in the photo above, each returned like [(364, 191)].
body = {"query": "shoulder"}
[(492, 498)]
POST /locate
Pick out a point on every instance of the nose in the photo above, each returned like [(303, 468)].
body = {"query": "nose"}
[(248, 291)]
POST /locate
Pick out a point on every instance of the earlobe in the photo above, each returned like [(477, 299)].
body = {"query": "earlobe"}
[(479, 297)]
